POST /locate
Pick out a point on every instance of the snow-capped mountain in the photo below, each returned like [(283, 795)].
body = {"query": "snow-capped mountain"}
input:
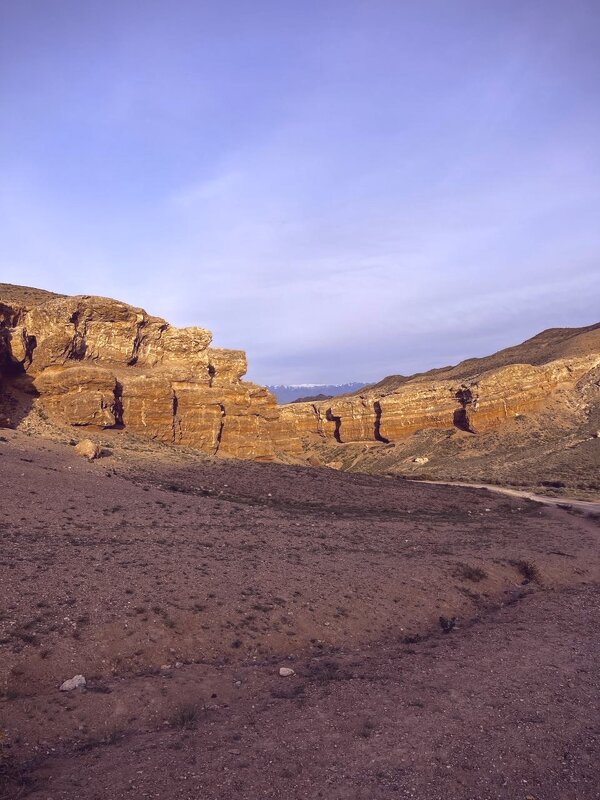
[(287, 393)]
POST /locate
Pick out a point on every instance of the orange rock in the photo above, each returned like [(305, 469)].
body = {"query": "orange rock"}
[(474, 396), (102, 363)]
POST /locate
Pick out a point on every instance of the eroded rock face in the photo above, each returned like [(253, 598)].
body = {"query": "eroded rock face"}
[(100, 363), (473, 397)]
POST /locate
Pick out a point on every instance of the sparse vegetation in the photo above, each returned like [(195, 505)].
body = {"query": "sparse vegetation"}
[(467, 572), (109, 737), (185, 717), (366, 728), (528, 570), (447, 624)]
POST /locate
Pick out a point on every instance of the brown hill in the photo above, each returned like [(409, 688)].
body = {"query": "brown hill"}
[(549, 345), (526, 414)]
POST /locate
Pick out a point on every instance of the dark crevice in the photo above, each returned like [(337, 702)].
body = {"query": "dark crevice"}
[(117, 405), (8, 364), (175, 421), (331, 417), (468, 403), (212, 371), (30, 345), (136, 344), (78, 346), (221, 426), (377, 429)]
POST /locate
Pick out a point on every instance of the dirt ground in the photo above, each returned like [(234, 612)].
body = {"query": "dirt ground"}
[(444, 640)]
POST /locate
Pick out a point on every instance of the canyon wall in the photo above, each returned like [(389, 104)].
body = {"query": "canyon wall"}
[(476, 396), (92, 362), (95, 362)]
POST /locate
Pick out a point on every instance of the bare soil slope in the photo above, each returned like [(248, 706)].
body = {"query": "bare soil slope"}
[(26, 295), (549, 345), (179, 586)]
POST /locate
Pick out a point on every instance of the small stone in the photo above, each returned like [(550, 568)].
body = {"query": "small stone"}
[(87, 449), (420, 460), (75, 682), (286, 672)]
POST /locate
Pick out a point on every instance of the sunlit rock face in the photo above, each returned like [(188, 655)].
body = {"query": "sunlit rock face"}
[(475, 396), (96, 362)]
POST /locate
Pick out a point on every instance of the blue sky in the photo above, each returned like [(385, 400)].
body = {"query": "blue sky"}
[(343, 189)]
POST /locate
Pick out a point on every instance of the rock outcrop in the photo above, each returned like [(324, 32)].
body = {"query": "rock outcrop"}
[(96, 362), (475, 396)]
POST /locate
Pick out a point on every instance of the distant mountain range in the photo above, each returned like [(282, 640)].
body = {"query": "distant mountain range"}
[(288, 393)]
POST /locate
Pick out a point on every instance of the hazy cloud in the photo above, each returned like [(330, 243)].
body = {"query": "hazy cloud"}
[(344, 190)]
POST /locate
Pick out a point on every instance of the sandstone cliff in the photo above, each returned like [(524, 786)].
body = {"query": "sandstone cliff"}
[(527, 415), (530, 411), (474, 396), (95, 362)]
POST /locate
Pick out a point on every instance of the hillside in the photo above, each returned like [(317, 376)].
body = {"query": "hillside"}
[(528, 415), (550, 345)]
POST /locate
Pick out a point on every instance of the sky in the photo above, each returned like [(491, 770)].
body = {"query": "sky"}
[(345, 190)]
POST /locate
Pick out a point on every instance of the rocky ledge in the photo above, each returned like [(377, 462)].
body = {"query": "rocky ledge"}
[(98, 363)]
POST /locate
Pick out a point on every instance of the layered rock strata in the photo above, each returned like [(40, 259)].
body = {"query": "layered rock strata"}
[(96, 362), (475, 396)]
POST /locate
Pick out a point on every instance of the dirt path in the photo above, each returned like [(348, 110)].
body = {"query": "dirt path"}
[(587, 506)]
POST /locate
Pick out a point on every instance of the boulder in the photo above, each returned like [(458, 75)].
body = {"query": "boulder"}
[(87, 449), (76, 682)]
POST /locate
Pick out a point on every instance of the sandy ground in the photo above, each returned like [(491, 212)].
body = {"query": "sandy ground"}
[(179, 586)]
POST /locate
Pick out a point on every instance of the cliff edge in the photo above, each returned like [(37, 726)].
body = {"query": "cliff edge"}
[(94, 362)]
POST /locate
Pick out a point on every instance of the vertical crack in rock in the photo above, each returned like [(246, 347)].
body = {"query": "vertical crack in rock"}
[(468, 403), (175, 421), (78, 346), (331, 417), (136, 343), (221, 426), (212, 371), (30, 345), (377, 426), (317, 412), (117, 405)]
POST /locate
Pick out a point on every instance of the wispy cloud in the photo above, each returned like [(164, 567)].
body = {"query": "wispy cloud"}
[(345, 193)]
